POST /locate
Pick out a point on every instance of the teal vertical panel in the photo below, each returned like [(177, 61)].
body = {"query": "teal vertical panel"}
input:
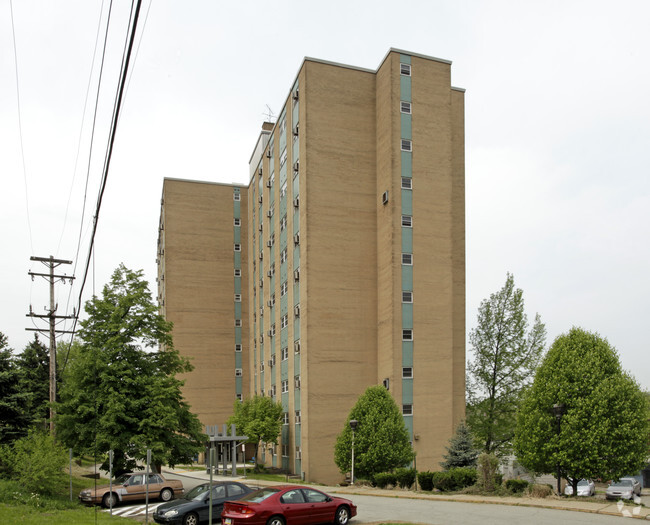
[(407, 202), (237, 235), (298, 466), (405, 59), (237, 284), (405, 88), (296, 328), (285, 463), (275, 460), (237, 210), (407, 391), (296, 258), (238, 334), (296, 405), (238, 385), (407, 240), (407, 353), (237, 310), (284, 336), (407, 315), (408, 422), (407, 277), (284, 371), (406, 126), (285, 428), (237, 259), (407, 164), (238, 360)]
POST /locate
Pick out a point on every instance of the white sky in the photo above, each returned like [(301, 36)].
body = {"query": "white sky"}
[(557, 136)]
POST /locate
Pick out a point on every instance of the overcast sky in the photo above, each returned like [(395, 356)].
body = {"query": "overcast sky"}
[(557, 136)]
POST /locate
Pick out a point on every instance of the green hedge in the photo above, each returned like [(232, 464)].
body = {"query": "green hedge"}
[(425, 480), (384, 479), (448, 480), (405, 477), (516, 485)]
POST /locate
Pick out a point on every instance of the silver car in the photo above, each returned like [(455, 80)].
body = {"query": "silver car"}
[(586, 487), (625, 488)]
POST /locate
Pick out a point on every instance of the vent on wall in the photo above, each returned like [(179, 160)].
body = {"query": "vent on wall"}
[(384, 197)]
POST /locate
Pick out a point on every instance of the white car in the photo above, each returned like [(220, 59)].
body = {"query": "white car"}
[(625, 488), (586, 487)]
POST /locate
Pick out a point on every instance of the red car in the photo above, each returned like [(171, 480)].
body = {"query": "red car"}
[(288, 505)]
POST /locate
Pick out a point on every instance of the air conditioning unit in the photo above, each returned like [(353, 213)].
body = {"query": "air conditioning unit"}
[(260, 227), (296, 310), (296, 382), (296, 346), (295, 131), (298, 452), (270, 332), (384, 198), (296, 238), (295, 95), (269, 244), (261, 314), (271, 364), (269, 274), (296, 275), (269, 214), (262, 368), (296, 166), (268, 303), (261, 338), (259, 199), (261, 255), (268, 154), (269, 184), (259, 172), (296, 202)]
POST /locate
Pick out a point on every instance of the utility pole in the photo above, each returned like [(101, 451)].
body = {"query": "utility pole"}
[(52, 278)]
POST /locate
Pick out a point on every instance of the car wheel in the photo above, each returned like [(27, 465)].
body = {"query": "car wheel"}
[(191, 518), (109, 500), (166, 494), (275, 520), (342, 515)]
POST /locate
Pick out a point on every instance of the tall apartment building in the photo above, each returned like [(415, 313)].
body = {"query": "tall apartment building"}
[(339, 266)]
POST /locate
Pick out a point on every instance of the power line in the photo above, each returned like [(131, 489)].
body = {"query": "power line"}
[(20, 126)]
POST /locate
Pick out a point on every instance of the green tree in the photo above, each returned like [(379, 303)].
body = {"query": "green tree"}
[(461, 451), (505, 356), (34, 364), (14, 420), (381, 440), (604, 432), (118, 396), (259, 418)]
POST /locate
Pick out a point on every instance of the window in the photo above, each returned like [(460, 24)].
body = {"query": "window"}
[(297, 417), (272, 300), (283, 256), (283, 190), (272, 330), (237, 247), (237, 348), (285, 386), (314, 496), (285, 418), (283, 157), (407, 372), (405, 69), (407, 145), (235, 490), (236, 196), (283, 289), (237, 222), (407, 258), (238, 298), (407, 221), (292, 497), (296, 381), (285, 451), (238, 372), (262, 370), (405, 107), (284, 322), (407, 297), (407, 410), (272, 270), (271, 211), (283, 125), (285, 353), (237, 322), (237, 272), (407, 335), (283, 223), (407, 183), (273, 391), (239, 397)]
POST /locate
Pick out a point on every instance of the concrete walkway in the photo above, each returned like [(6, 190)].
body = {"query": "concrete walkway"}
[(553, 502)]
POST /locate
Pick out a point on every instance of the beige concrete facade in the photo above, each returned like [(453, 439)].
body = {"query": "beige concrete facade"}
[(329, 305)]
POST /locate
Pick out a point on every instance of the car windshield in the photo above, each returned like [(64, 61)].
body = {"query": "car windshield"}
[(583, 483), (122, 479), (198, 492), (624, 483), (259, 495)]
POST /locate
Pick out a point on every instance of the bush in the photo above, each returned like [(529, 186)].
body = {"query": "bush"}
[(540, 491), (405, 477), (425, 480), (383, 479), (38, 462), (454, 479), (487, 472), (517, 485)]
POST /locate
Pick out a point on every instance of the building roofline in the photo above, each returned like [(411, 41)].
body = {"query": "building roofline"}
[(231, 184), (462, 90)]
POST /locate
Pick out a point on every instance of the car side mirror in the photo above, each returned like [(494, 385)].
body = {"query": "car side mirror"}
[(328, 499)]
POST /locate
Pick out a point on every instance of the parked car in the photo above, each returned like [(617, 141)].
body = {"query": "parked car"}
[(194, 507), (625, 488), (586, 487), (288, 505), (133, 487)]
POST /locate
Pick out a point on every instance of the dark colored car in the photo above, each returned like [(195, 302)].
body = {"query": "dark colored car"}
[(194, 507), (133, 487), (288, 505)]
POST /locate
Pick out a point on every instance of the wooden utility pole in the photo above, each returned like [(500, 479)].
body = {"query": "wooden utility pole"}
[(52, 278)]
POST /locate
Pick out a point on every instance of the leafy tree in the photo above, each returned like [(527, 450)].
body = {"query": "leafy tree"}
[(604, 431), (461, 451), (13, 400), (115, 394), (506, 355), (381, 440), (34, 364), (259, 418)]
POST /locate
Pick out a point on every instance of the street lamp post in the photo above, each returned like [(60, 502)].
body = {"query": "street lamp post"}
[(558, 411), (353, 426)]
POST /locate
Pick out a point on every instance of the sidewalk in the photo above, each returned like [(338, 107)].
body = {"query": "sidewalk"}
[(574, 504)]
